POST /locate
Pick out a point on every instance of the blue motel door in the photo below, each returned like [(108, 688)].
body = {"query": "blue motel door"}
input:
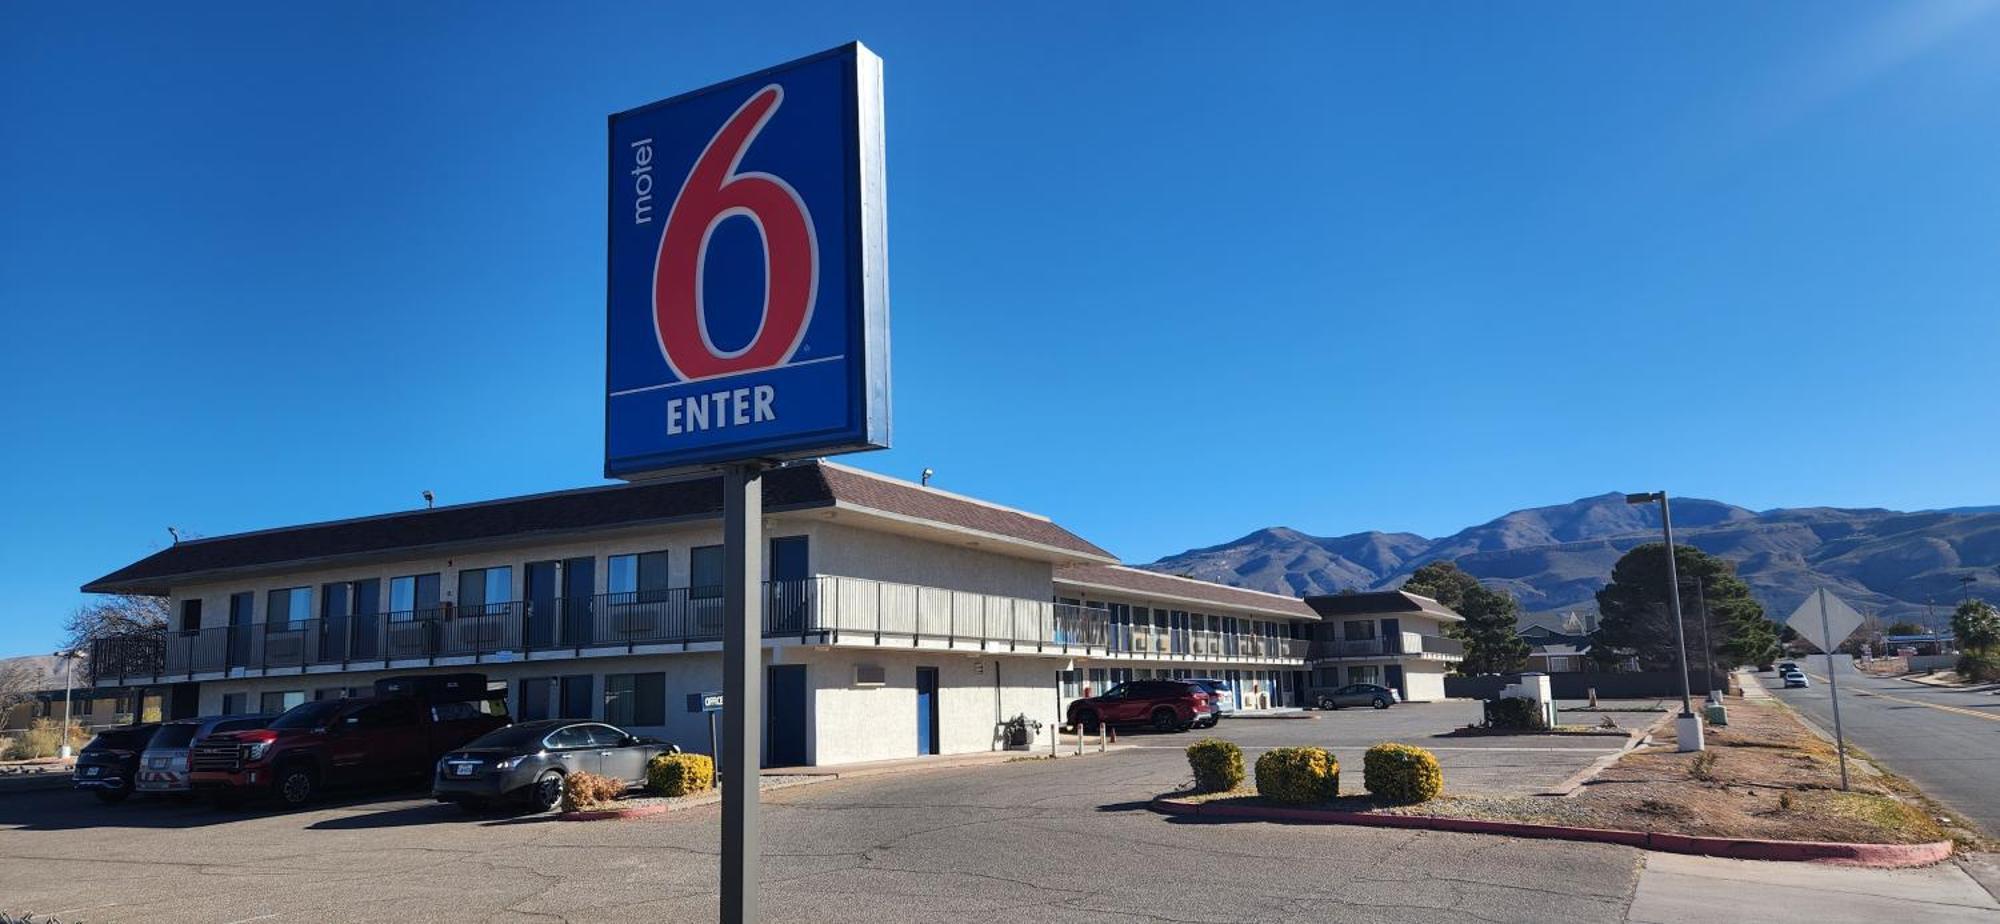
[(927, 717)]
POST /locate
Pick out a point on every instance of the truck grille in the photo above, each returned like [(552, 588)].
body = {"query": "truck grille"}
[(227, 757)]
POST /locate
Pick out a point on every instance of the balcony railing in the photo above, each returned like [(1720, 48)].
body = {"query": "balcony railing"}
[(825, 609), (1389, 645)]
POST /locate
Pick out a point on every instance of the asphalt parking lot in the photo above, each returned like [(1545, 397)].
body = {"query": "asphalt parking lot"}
[(1033, 840)]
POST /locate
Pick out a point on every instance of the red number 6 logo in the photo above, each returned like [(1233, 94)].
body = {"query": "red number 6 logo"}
[(712, 193)]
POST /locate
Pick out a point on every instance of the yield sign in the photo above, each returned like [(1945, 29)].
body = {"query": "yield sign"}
[(1825, 628)]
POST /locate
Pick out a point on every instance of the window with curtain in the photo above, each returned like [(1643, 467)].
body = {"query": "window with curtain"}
[(635, 699)]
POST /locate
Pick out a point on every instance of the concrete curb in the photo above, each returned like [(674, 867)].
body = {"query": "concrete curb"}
[(1873, 855)]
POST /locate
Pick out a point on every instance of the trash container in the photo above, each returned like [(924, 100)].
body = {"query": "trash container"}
[(1716, 714)]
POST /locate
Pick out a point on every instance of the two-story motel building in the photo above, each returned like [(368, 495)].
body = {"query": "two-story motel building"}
[(899, 620)]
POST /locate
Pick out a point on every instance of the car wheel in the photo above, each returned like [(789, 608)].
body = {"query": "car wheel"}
[(1086, 723), (1327, 703), (1164, 720), (546, 795), (297, 784), (111, 796), (1381, 703)]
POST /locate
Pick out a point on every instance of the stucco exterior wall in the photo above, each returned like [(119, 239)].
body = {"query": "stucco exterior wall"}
[(852, 723), (847, 550)]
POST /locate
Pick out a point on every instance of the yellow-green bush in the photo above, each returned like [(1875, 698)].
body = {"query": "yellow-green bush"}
[(1401, 773), (40, 739), (1298, 775), (583, 791), (680, 774), (1217, 765)]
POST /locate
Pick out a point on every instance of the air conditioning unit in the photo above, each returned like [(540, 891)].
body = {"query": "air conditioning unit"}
[(870, 675)]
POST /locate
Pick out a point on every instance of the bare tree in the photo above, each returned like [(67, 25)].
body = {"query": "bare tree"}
[(19, 682), (140, 620)]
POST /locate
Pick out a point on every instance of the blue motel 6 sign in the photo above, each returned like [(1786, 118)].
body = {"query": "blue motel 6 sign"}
[(748, 313)]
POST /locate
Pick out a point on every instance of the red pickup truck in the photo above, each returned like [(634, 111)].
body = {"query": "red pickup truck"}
[(336, 742)]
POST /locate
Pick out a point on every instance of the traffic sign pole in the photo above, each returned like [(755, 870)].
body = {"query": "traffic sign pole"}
[(742, 695), (1833, 687)]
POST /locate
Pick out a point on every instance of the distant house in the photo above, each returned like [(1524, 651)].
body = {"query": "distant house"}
[(1559, 643)]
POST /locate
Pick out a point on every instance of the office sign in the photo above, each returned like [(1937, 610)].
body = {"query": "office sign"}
[(747, 291), (705, 702)]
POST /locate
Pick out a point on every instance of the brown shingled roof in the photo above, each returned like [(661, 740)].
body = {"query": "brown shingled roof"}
[(794, 487), (1143, 582)]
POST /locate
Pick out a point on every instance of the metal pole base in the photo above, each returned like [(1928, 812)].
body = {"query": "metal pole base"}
[(1687, 730)]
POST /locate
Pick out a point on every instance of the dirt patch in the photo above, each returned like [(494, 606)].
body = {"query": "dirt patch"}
[(1765, 775)]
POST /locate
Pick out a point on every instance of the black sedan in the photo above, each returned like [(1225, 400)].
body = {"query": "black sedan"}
[(109, 764), (526, 762)]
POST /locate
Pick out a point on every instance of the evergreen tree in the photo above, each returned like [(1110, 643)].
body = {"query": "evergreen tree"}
[(1491, 630), (1442, 581), (1637, 621), (1976, 625)]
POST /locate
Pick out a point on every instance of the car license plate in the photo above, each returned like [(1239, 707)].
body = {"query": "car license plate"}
[(93, 771), (463, 769)]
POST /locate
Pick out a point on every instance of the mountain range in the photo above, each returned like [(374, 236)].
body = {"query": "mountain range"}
[(1890, 563)]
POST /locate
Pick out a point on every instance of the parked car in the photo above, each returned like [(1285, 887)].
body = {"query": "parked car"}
[(163, 766), (1220, 695), (107, 765), (1165, 705), (340, 742), (1354, 694), (1796, 680), (526, 763)]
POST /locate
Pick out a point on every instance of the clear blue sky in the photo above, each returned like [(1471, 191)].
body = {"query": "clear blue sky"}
[(1168, 273)]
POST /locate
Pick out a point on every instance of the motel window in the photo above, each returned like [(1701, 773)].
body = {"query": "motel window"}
[(635, 573), (82, 705), (1097, 685), (1070, 684), (705, 571), (483, 591), (556, 697), (235, 703), (280, 700), (414, 596), (635, 699), (1358, 630), (1365, 673), (287, 610), (191, 616)]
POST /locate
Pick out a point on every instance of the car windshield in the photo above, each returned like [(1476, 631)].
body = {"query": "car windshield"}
[(307, 715), (176, 735), (513, 736)]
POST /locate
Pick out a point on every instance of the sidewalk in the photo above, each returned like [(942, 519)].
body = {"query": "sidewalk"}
[(942, 761), (1677, 888)]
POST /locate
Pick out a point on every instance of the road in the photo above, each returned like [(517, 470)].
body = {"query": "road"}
[(1947, 741), (1030, 841)]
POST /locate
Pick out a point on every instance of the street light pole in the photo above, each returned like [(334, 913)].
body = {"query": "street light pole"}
[(69, 664), (1707, 647), (1687, 726)]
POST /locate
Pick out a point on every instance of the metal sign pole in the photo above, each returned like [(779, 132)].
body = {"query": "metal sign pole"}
[(1833, 686), (742, 694)]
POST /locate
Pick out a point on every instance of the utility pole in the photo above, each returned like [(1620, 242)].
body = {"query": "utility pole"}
[(1707, 647)]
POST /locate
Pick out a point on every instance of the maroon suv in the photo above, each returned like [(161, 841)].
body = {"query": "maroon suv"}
[(1165, 705)]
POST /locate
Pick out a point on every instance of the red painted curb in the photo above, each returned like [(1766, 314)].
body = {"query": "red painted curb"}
[(1878, 855)]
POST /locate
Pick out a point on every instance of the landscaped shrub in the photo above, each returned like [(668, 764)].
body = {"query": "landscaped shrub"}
[(1217, 765), (1979, 666), (583, 791), (680, 774), (1402, 773), (1515, 712), (40, 739), (1298, 775)]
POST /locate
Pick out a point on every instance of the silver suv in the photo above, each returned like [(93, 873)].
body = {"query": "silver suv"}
[(164, 765)]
